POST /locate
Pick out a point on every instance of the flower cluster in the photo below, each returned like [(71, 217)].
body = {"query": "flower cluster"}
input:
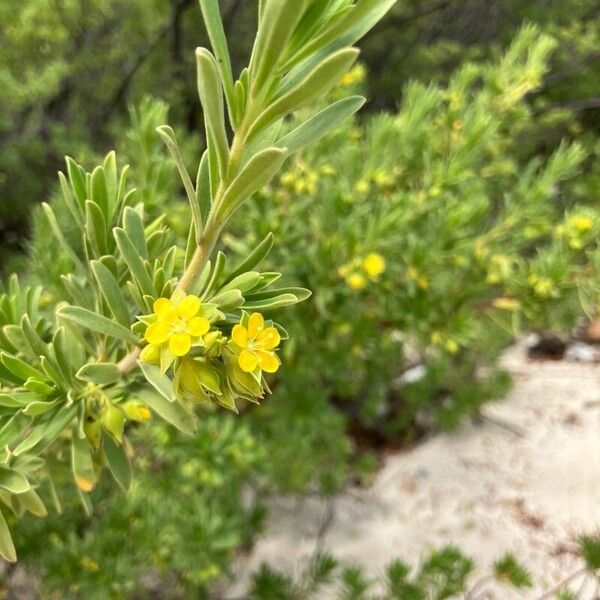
[(576, 230), (186, 333), (358, 272)]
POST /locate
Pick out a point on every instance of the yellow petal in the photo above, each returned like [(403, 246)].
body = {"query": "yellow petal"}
[(189, 307), (198, 326), (239, 334), (158, 332), (255, 324), (180, 344), (164, 309), (247, 361), (268, 361), (374, 264), (269, 338)]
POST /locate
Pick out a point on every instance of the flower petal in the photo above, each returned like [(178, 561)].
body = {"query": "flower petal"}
[(158, 332), (189, 307), (247, 361), (239, 334), (198, 326), (180, 344), (255, 324), (164, 309), (268, 361), (269, 338)]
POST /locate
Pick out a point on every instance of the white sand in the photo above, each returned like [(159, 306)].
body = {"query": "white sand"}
[(484, 488)]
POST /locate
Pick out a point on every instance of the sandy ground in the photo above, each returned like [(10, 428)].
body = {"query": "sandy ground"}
[(530, 488)]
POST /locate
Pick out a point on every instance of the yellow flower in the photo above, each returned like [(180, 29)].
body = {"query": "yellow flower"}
[(256, 344), (177, 325), (581, 223), (374, 265), (356, 281)]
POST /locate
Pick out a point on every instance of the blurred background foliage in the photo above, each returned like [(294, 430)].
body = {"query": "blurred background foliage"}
[(70, 70), (478, 186)]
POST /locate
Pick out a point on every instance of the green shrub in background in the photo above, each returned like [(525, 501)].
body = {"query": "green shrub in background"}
[(69, 71), (429, 241)]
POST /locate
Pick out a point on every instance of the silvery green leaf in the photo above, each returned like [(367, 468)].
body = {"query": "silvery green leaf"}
[(33, 503), (171, 411), (100, 373), (228, 300), (257, 173), (134, 262), (134, 227), (7, 547), (97, 323), (320, 124), (82, 464), (216, 34), (211, 96), (110, 289), (117, 462), (254, 258), (77, 181), (271, 303), (12, 481), (272, 39)]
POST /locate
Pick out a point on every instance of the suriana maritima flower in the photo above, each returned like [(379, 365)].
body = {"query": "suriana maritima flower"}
[(176, 325), (255, 345)]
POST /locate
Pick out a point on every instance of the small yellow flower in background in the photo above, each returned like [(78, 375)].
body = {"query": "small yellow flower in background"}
[(356, 281), (451, 346), (581, 223), (354, 76), (542, 286), (362, 187), (374, 265), (177, 324), (257, 344)]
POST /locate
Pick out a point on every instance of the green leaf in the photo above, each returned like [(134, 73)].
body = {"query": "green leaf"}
[(228, 300), (301, 294), (316, 84), (216, 34), (7, 548), (95, 227), (12, 481), (97, 323), (257, 173), (33, 503), (161, 383), (243, 283), (100, 373), (100, 193), (349, 29), (272, 39), (171, 411), (118, 462), (20, 368), (211, 97), (320, 124), (134, 227), (82, 464), (134, 262), (254, 258), (110, 289), (273, 302), (77, 181), (35, 409), (168, 137), (203, 192)]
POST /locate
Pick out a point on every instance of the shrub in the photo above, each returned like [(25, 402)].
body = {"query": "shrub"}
[(430, 240)]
